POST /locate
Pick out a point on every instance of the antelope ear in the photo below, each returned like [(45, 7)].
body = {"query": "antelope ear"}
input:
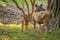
[(36, 5), (41, 4)]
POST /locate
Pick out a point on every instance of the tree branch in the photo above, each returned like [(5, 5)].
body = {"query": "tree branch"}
[(19, 7), (27, 7), (32, 3)]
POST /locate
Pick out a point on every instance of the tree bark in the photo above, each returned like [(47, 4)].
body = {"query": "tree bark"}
[(54, 7)]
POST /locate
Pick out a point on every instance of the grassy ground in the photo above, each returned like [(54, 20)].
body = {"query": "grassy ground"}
[(13, 32)]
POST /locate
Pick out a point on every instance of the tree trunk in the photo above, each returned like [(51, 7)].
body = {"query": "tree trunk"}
[(54, 7)]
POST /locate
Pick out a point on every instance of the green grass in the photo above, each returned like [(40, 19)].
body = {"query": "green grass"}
[(13, 32)]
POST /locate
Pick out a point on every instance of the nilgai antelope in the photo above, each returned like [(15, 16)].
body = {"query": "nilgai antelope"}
[(41, 16)]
